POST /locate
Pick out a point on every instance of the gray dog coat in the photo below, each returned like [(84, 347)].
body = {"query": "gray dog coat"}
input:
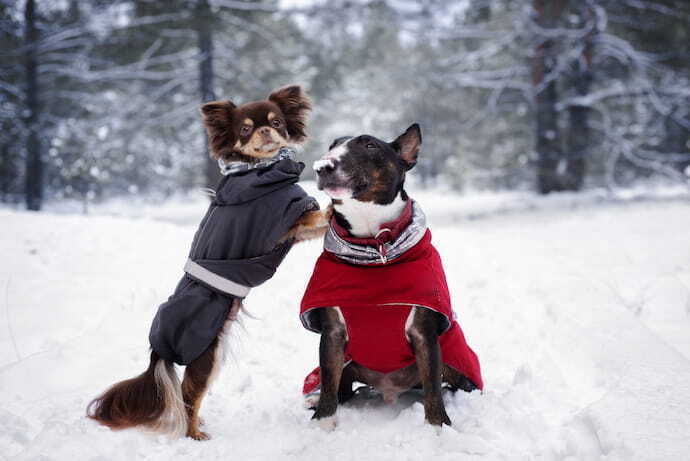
[(235, 248)]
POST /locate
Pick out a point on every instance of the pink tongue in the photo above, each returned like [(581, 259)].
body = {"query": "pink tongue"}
[(337, 192)]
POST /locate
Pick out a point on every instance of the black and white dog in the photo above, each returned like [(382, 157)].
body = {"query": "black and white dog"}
[(390, 324)]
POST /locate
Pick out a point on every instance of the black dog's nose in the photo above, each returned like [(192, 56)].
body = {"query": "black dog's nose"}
[(325, 166)]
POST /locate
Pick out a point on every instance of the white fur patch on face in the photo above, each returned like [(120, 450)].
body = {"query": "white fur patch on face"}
[(323, 163), (332, 157), (337, 152), (365, 218), (330, 160)]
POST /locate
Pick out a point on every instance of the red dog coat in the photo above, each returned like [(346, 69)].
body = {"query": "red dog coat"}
[(376, 300)]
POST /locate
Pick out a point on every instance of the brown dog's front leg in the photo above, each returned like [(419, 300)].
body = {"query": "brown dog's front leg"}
[(331, 360), (311, 225), (423, 336)]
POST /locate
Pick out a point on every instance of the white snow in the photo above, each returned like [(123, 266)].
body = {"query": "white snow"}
[(579, 309)]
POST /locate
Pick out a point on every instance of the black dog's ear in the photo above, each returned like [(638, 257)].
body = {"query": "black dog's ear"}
[(218, 119), (295, 105), (408, 144)]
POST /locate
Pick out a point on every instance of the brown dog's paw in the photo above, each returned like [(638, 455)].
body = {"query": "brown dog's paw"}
[(311, 225), (328, 213), (198, 435)]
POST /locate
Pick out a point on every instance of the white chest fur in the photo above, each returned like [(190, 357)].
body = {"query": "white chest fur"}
[(366, 217)]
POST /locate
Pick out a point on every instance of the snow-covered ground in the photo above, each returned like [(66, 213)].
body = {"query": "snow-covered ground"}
[(578, 310)]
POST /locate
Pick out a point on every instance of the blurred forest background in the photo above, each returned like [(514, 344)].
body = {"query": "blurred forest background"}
[(100, 97)]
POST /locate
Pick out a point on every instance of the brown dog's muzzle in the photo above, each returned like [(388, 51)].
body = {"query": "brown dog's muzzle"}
[(265, 133)]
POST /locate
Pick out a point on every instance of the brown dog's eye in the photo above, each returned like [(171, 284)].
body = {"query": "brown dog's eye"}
[(276, 123), (244, 131), (371, 145)]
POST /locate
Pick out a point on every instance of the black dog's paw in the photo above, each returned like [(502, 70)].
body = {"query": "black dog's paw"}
[(325, 422), (438, 418), (461, 384)]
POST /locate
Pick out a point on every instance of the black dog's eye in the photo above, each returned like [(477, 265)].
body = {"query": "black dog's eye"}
[(276, 123), (244, 131), (371, 145)]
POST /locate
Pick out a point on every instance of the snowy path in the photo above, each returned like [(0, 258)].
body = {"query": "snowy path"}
[(581, 319)]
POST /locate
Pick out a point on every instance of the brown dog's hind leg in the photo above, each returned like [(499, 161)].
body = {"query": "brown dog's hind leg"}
[(423, 335), (197, 378), (331, 359)]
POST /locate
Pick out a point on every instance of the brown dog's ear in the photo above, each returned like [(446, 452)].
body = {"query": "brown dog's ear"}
[(218, 119), (295, 105), (408, 144)]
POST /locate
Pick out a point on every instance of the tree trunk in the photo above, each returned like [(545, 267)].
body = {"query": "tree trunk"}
[(578, 136), (5, 169), (548, 142), (205, 38), (478, 12), (34, 163)]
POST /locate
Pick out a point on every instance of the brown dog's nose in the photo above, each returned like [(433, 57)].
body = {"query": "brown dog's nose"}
[(265, 133)]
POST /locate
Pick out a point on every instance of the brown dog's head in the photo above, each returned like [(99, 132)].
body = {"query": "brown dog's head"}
[(256, 130)]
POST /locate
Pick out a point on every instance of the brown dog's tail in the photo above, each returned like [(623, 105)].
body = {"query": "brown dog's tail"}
[(153, 399)]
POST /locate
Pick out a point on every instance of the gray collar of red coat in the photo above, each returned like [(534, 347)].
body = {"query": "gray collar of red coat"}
[(382, 252)]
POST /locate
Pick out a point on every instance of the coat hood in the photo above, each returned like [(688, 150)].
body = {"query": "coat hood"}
[(245, 186)]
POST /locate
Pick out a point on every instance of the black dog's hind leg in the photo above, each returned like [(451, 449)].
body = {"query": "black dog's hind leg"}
[(456, 380), (423, 335), (331, 359), (348, 378)]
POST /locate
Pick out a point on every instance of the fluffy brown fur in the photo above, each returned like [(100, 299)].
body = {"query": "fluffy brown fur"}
[(115, 408), (295, 106), (239, 133), (153, 400)]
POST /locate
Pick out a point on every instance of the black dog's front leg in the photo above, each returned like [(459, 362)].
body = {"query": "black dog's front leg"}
[(331, 359), (423, 335)]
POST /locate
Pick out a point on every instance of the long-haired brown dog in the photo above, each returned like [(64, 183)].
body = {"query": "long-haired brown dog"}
[(248, 134)]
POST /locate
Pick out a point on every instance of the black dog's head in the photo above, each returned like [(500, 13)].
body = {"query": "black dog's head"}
[(257, 129), (367, 169)]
